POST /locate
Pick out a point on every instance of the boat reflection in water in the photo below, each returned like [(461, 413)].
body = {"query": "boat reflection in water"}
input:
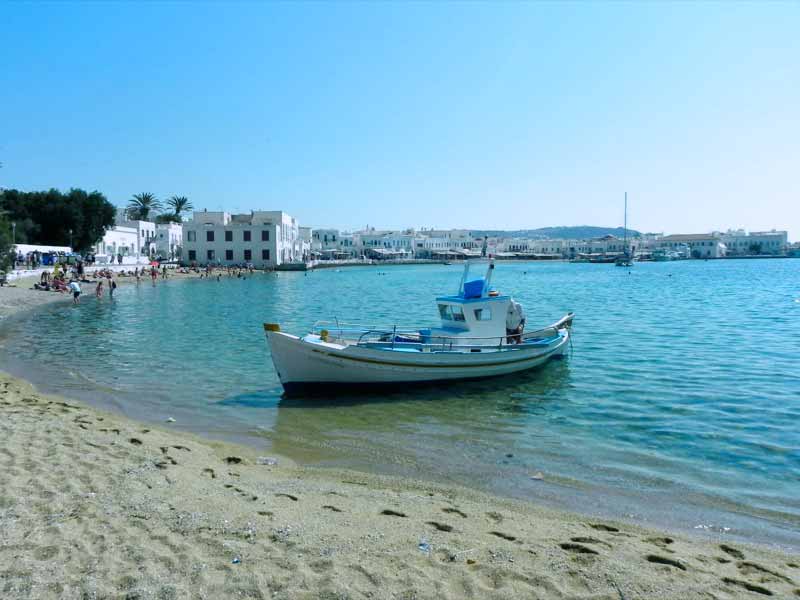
[(393, 430)]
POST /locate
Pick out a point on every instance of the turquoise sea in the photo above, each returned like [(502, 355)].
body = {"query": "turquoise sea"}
[(679, 405)]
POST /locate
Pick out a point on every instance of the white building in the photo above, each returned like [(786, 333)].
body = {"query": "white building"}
[(702, 245), (386, 244), (118, 242), (739, 242), (265, 239), (145, 234), (426, 246), (306, 239), (169, 238), (456, 238), (325, 239)]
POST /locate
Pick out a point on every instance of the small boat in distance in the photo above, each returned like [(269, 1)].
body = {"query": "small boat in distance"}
[(481, 335)]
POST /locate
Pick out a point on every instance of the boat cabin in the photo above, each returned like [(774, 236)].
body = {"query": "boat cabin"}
[(477, 313)]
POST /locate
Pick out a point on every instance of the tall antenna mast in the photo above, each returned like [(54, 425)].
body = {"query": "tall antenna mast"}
[(625, 230)]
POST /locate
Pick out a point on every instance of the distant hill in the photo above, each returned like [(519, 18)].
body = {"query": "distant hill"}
[(579, 232)]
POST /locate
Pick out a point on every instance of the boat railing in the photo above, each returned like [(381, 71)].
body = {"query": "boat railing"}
[(412, 337), (357, 329), (440, 343), (395, 338)]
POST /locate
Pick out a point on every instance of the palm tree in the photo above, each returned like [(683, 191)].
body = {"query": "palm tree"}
[(179, 205), (141, 205)]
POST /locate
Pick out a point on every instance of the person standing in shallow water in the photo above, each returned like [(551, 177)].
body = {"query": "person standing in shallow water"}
[(153, 275), (75, 288), (112, 285), (98, 291)]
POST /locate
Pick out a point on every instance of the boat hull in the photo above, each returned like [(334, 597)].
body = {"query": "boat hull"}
[(303, 365)]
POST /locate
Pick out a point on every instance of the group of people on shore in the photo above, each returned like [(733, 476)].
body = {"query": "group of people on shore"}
[(68, 278), (238, 272)]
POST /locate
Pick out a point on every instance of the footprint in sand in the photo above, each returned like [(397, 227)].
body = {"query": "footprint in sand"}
[(392, 513), (604, 527), (440, 526), (209, 472), (455, 511), (730, 550), (233, 460), (589, 540), (662, 542), (663, 560), (751, 587), (577, 548), (748, 568), (495, 516), (505, 536), (332, 508), (135, 441), (289, 496)]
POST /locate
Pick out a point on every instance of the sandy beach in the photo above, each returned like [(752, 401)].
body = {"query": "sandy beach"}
[(93, 505)]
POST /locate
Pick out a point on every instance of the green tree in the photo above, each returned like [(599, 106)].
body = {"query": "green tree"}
[(179, 205), (141, 205), (6, 252), (168, 218), (77, 218)]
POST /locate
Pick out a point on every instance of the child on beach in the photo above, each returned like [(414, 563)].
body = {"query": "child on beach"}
[(75, 288)]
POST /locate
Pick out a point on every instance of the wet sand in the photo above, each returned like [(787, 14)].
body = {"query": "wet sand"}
[(93, 505)]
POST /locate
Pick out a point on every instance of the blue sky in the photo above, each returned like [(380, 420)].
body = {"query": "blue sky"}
[(414, 114)]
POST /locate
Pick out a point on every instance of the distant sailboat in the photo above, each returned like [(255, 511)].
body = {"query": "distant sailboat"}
[(626, 260)]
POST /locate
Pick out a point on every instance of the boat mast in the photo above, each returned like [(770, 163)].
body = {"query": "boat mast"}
[(625, 229)]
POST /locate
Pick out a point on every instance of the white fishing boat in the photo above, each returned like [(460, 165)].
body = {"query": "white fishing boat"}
[(482, 334)]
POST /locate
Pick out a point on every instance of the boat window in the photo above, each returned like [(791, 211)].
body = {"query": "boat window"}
[(449, 312), (483, 314)]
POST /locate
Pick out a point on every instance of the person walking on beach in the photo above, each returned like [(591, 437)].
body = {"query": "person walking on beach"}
[(75, 288), (98, 291)]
